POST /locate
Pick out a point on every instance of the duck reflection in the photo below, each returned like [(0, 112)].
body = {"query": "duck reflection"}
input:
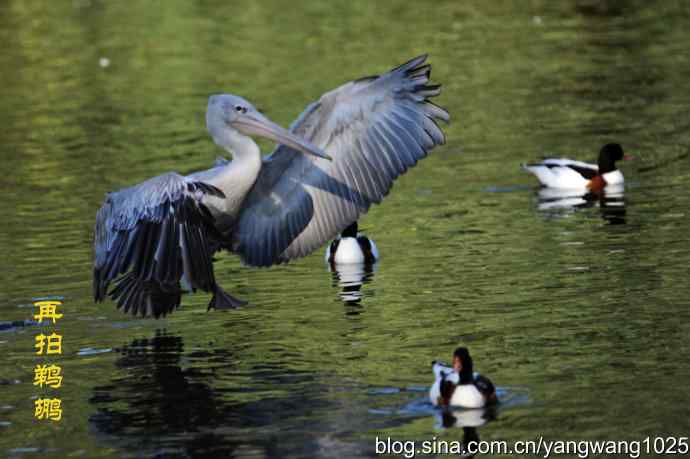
[(350, 278), (468, 420), (612, 207), (611, 202)]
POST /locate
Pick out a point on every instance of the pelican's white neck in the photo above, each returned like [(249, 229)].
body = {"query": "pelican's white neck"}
[(237, 177), (241, 147)]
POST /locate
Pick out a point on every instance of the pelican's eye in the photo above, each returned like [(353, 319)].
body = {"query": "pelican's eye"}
[(240, 109)]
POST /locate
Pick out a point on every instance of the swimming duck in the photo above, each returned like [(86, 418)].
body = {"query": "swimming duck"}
[(459, 385), (571, 174), (352, 247)]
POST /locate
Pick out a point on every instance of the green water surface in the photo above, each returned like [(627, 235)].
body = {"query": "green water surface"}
[(581, 320)]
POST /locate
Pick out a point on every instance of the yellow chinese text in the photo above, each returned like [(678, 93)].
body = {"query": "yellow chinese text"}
[(47, 310), (48, 375), (51, 344), (48, 408)]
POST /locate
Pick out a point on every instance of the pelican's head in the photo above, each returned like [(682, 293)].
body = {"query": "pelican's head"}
[(231, 120)]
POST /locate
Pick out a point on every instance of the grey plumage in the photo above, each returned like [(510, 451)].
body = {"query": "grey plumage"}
[(359, 138), (375, 129), (158, 233)]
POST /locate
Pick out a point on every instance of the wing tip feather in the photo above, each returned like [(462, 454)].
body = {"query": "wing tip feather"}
[(412, 64)]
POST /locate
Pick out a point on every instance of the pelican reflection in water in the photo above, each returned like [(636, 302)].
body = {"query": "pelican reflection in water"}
[(156, 240)]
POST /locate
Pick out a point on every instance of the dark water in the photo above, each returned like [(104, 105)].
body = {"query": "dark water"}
[(580, 315)]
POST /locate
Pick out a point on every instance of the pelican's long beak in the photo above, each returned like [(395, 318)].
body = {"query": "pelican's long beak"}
[(254, 123)]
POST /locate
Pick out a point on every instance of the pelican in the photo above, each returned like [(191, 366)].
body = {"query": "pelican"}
[(156, 240)]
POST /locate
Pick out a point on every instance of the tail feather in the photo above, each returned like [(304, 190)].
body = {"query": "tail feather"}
[(145, 298)]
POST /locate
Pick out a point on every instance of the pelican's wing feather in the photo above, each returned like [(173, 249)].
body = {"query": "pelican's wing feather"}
[(374, 128), (148, 238)]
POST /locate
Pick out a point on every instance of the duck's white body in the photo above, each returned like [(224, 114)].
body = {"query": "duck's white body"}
[(464, 395), (570, 174), (349, 251)]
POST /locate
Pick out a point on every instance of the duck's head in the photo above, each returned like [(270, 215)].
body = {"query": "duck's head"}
[(350, 231), (608, 155), (462, 363)]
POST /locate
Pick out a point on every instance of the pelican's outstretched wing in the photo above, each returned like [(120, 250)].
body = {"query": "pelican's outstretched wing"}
[(150, 237), (375, 128)]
